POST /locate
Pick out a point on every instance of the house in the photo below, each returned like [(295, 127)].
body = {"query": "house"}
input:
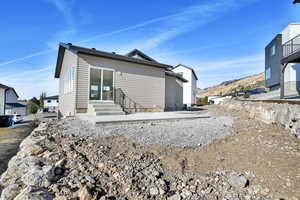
[(274, 54), (8, 102), (296, 1), (189, 87), (97, 82), (51, 103)]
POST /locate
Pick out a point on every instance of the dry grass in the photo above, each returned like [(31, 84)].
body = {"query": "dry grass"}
[(251, 82)]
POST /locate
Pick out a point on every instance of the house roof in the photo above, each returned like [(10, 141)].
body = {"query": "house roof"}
[(187, 68), (7, 87), (14, 105), (94, 52), (173, 74), (51, 97), (141, 54)]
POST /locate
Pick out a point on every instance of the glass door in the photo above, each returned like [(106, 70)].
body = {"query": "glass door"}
[(107, 86), (95, 84), (101, 84)]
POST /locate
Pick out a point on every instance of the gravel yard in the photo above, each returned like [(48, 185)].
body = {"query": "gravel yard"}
[(238, 159), (183, 133)]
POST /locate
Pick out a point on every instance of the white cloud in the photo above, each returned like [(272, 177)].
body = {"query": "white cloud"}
[(187, 20), (65, 7), (228, 64), (32, 83)]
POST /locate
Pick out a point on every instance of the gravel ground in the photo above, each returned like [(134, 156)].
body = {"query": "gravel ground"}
[(182, 133)]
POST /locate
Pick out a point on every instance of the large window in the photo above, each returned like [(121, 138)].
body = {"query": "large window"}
[(268, 73), (69, 80), (273, 50)]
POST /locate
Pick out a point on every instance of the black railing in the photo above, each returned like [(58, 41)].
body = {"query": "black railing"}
[(291, 47), (126, 103)]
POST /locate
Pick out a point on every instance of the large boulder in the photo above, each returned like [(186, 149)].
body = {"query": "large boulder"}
[(10, 192), (34, 193), (17, 167), (39, 176)]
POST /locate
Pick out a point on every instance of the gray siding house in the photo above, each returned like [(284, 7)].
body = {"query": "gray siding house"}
[(98, 82), (273, 56), (8, 102)]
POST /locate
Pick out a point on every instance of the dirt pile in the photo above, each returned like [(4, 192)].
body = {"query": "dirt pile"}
[(53, 165)]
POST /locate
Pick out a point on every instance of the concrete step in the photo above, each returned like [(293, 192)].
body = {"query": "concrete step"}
[(106, 106), (108, 109), (110, 113), (102, 103)]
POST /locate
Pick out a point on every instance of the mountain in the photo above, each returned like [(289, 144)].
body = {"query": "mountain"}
[(227, 87)]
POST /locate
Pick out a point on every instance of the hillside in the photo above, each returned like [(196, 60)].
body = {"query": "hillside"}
[(248, 83)]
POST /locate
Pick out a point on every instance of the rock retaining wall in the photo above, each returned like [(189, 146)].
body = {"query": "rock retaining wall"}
[(285, 115)]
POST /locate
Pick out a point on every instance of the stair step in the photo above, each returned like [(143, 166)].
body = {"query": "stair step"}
[(106, 106), (102, 103), (108, 109), (110, 113)]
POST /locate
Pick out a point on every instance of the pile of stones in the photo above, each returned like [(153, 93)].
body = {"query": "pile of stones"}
[(52, 165)]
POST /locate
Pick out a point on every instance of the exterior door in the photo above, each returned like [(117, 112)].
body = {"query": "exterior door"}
[(101, 84), (95, 84), (107, 86)]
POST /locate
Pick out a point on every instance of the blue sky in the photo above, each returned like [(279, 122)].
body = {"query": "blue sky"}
[(220, 39)]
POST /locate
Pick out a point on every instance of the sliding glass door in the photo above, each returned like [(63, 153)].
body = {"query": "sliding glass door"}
[(101, 84)]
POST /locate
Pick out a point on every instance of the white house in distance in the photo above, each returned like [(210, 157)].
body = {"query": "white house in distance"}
[(8, 102), (190, 87), (51, 103)]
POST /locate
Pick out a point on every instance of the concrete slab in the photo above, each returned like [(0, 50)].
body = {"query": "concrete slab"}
[(138, 117)]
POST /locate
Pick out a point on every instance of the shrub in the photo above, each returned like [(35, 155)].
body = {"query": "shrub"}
[(246, 95), (33, 109)]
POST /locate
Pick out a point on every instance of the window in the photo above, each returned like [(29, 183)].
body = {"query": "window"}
[(56, 101), (48, 101), (273, 50), (268, 73), (69, 80)]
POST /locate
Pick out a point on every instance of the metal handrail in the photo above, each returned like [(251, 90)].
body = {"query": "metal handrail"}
[(292, 46), (127, 104)]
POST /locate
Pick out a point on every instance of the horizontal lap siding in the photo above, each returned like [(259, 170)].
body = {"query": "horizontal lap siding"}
[(143, 84), (67, 101), (83, 83), (2, 97), (174, 93)]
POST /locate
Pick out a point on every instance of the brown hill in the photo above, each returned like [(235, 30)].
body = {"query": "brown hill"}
[(227, 87)]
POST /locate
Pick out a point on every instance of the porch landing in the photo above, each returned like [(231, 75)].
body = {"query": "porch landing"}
[(138, 117)]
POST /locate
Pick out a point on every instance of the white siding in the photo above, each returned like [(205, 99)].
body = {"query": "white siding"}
[(51, 103), (291, 31), (174, 93), (143, 84), (67, 100), (189, 88), (2, 97)]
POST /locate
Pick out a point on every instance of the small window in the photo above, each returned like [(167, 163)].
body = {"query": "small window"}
[(56, 101), (273, 50), (268, 73), (48, 101)]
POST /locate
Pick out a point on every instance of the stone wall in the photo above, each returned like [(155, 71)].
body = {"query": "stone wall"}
[(285, 115)]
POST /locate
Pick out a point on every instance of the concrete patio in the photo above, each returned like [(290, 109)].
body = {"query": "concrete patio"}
[(146, 116)]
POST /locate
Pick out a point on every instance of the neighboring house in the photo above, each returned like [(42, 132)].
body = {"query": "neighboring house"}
[(51, 103), (97, 82), (273, 56), (8, 102), (190, 87)]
